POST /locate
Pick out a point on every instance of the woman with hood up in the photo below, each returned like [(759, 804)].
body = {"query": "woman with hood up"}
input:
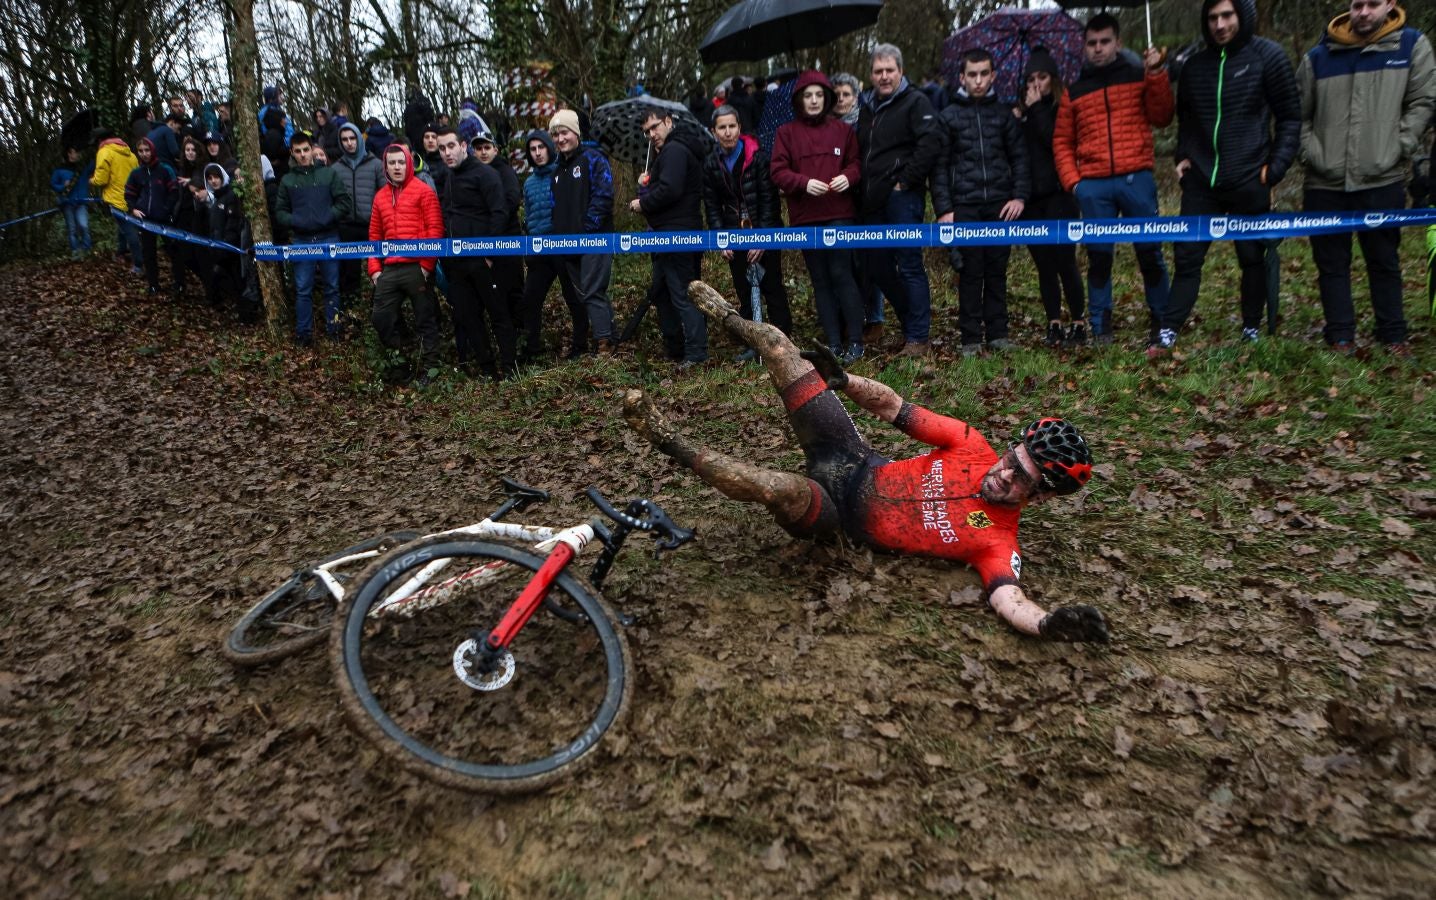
[(815, 165), (1056, 263)]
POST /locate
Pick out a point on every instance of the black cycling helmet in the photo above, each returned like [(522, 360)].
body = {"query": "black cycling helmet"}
[(1060, 453)]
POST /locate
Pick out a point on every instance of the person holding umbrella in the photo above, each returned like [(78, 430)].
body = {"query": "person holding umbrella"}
[(1104, 150), (815, 164), (673, 202)]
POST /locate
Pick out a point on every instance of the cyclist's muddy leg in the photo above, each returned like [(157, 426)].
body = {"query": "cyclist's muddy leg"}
[(779, 354), (786, 495)]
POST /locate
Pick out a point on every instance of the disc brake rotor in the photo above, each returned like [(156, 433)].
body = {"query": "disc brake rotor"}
[(464, 656)]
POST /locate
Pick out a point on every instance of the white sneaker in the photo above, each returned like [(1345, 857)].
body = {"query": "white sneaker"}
[(1250, 335)]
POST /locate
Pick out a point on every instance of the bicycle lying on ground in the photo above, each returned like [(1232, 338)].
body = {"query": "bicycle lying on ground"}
[(297, 614), (427, 655)]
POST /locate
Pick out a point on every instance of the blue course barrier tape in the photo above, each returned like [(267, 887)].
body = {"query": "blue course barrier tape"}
[(44, 212), (175, 234), (1074, 231)]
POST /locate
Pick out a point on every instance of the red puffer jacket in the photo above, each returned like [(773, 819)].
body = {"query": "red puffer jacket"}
[(407, 212), (1104, 124), (819, 148)]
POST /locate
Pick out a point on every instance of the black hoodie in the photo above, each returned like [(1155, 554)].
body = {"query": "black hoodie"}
[(1238, 107), (674, 199)]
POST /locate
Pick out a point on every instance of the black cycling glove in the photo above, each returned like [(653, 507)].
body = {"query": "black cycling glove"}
[(828, 366), (1074, 623)]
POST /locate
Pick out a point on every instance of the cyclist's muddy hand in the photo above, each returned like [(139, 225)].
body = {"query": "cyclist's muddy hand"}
[(1074, 623), (828, 366)]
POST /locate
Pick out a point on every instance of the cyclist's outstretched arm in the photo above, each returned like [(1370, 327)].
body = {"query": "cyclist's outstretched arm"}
[(874, 396), (1065, 623)]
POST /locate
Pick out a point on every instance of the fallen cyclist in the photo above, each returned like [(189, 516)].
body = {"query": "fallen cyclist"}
[(961, 501)]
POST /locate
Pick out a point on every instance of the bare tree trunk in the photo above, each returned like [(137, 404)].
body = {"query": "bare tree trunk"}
[(250, 181)]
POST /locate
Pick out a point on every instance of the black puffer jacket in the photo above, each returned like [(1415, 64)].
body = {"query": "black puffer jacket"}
[(1038, 125), (472, 197), (746, 192), (674, 198), (1228, 99), (984, 155), (899, 142)]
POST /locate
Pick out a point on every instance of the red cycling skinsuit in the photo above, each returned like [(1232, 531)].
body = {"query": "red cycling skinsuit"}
[(927, 505)]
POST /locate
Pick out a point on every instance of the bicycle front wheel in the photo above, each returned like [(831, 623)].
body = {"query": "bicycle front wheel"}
[(297, 614), (405, 659)]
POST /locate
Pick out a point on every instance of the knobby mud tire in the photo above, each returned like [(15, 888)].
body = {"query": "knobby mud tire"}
[(478, 713), (240, 644)]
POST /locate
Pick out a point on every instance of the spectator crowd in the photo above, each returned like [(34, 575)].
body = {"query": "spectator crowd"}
[(1352, 116)]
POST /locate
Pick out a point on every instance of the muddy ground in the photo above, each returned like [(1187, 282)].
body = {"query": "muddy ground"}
[(807, 720)]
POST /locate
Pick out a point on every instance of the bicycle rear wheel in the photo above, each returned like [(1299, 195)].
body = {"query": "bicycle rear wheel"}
[(296, 614), (408, 685)]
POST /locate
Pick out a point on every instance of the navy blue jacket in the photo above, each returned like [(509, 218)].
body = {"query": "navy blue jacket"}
[(152, 190), (166, 143), (583, 193)]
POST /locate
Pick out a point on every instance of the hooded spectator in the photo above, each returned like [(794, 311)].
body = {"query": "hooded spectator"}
[(378, 137), (405, 209), (815, 165), (150, 193), (538, 220), (362, 176), (114, 161), (227, 223)]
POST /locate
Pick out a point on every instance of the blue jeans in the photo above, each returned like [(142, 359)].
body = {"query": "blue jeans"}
[(77, 226), (898, 271), (1133, 196), (129, 240), (304, 288)]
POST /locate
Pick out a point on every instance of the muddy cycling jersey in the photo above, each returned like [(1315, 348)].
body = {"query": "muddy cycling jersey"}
[(926, 505), (930, 505)]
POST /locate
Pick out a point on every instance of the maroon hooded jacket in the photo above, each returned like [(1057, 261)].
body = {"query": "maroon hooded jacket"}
[(819, 148)]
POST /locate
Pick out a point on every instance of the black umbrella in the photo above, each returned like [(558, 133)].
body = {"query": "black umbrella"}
[(758, 29), (619, 126), (76, 130)]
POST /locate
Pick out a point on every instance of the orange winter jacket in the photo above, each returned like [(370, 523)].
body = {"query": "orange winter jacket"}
[(1104, 124), (407, 212)]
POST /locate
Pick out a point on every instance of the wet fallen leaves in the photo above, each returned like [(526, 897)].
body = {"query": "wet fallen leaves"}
[(809, 719)]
